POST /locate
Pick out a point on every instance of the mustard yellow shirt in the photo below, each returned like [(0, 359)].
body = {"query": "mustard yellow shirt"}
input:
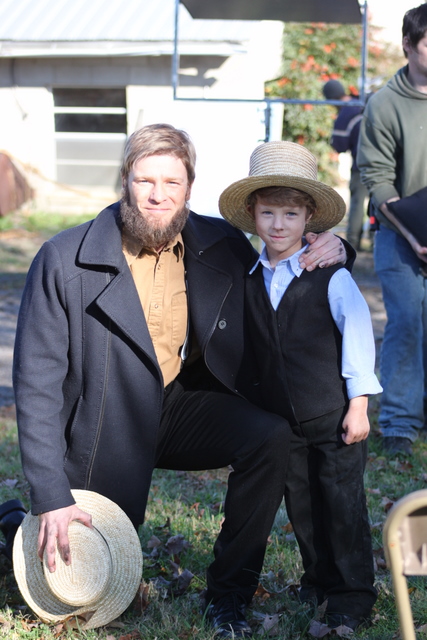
[(160, 281)]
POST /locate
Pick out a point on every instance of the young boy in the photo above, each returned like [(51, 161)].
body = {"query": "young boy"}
[(312, 337)]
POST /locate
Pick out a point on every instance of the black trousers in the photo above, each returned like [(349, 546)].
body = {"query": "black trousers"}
[(207, 430), (326, 504)]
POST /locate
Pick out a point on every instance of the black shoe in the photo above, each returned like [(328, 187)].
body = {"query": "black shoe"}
[(227, 617), (334, 620), (12, 514), (394, 445)]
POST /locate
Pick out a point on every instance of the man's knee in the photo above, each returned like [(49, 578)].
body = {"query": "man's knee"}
[(274, 431)]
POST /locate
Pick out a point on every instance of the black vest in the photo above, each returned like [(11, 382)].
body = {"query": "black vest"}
[(298, 347)]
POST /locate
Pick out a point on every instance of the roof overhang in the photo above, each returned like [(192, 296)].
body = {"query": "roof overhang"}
[(333, 11), (102, 49)]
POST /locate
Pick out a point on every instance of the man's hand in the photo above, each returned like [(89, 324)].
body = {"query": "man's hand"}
[(420, 251), (324, 249), (356, 422), (417, 248), (53, 531)]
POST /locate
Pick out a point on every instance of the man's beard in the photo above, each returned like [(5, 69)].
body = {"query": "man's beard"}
[(148, 233)]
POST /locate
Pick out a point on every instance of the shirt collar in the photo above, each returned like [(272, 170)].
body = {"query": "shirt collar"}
[(292, 261), (133, 249)]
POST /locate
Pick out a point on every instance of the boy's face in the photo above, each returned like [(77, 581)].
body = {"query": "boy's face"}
[(281, 228)]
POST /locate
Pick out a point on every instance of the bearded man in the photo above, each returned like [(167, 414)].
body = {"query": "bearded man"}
[(131, 354)]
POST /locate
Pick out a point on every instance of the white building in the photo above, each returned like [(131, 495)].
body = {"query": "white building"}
[(77, 77)]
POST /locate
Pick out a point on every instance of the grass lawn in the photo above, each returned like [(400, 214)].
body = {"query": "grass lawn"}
[(187, 506)]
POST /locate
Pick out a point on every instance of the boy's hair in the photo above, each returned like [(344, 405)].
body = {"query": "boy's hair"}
[(282, 196), (158, 140), (414, 25)]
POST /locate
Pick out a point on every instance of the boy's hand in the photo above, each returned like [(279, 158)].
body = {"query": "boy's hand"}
[(356, 423), (324, 249)]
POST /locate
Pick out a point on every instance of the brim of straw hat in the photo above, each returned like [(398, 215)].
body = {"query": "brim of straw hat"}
[(105, 570), (233, 200)]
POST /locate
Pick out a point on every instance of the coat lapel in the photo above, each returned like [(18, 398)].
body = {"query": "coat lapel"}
[(120, 302), (207, 284)]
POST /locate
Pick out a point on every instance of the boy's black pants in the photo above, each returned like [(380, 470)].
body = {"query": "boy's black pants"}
[(326, 504)]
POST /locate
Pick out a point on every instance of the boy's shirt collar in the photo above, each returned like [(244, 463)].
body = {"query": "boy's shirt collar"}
[(292, 262)]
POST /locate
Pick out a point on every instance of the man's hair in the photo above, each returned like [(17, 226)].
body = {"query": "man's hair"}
[(281, 197), (414, 25), (159, 140)]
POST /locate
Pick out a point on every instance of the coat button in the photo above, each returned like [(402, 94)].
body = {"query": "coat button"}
[(222, 324)]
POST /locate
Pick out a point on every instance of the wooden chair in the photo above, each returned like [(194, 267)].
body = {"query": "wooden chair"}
[(405, 546)]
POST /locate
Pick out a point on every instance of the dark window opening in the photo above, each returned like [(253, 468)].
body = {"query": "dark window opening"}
[(89, 97), (91, 122)]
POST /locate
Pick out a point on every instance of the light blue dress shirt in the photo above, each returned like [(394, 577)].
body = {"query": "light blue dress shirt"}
[(350, 313)]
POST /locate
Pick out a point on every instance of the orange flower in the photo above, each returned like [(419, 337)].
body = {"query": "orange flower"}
[(283, 81), (300, 139), (308, 31), (310, 64), (375, 50), (327, 48), (308, 107), (352, 62)]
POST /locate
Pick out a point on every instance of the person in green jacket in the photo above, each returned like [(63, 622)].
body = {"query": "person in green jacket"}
[(392, 159)]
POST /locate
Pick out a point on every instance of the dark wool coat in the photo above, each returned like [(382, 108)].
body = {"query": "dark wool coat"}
[(88, 386)]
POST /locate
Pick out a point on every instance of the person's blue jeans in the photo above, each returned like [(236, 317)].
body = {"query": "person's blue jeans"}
[(403, 352)]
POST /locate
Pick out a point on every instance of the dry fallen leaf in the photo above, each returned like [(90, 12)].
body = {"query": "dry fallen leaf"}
[(181, 580), (141, 600), (386, 503), (133, 635), (262, 593), (9, 483), (153, 542), (271, 624), (176, 544), (318, 629), (76, 622), (58, 629), (27, 626), (116, 624)]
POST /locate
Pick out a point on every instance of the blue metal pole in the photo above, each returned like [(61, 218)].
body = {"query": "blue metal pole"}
[(364, 52), (175, 57)]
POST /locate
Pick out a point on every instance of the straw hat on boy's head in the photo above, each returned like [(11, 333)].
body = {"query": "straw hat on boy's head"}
[(105, 570), (282, 164)]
